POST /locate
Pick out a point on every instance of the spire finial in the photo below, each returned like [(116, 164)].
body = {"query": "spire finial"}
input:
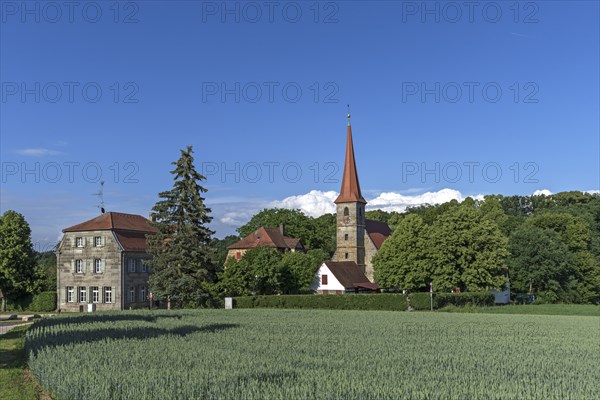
[(348, 105)]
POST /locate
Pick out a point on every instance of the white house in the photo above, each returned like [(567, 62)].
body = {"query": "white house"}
[(338, 277)]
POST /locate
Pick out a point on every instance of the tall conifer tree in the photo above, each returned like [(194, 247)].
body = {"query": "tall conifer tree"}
[(182, 272)]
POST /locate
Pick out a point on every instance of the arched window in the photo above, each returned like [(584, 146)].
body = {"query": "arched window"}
[(346, 212)]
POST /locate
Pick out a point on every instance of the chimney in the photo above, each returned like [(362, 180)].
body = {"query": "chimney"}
[(281, 230)]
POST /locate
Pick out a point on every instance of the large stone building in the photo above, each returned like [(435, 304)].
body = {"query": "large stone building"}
[(357, 238), (103, 262), (274, 238)]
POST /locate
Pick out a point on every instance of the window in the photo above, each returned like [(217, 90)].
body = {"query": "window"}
[(95, 294), (346, 217), (98, 241), (144, 266), (108, 295), (238, 255), (346, 255), (346, 236), (323, 279), (79, 266), (79, 242), (82, 294), (97, 266), (70, 294), (132, 294), (131, 263), (142, 293)]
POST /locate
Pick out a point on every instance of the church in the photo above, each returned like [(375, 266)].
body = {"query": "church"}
[(357, 238)]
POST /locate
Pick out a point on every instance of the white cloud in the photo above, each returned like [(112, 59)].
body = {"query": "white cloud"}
[(544, 192), (314, 203), (593, 191), (390, 201), (237, 218), (38, 152)]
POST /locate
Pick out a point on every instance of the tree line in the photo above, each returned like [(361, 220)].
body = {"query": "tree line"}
[(547, 245)]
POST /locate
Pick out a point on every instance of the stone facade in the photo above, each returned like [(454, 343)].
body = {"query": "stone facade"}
[(350, 233), (236, 253), (370, 251)]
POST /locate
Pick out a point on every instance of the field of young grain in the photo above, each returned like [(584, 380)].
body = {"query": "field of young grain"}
[(316, 354)]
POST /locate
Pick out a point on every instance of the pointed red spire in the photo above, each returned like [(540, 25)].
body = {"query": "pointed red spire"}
[(350, 191)]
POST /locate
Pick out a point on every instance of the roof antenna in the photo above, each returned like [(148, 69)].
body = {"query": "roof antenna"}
[(100, 194)]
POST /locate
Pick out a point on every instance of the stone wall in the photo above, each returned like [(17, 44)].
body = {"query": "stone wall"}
[(109, 276), (137, 280), (370, 251), (350, 233)]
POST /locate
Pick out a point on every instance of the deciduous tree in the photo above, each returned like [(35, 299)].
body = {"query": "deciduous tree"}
[(17, 259)]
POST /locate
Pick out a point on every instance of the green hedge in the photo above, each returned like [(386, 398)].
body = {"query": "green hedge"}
[(479, 299), (420, 301), (382, 301), (43, 302)]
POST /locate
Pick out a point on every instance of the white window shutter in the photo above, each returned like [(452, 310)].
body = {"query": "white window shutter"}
[(101, 265), (72, 239), (72, 265), (103, 240)]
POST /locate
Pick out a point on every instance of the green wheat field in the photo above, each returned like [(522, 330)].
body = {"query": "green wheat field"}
[(316, 354)]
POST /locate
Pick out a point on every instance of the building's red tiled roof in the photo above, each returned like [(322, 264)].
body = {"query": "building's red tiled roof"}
[(114, 221), (267, 237), (350, 190), (378, 232), (292, 243), (132, 241), (350, 275)]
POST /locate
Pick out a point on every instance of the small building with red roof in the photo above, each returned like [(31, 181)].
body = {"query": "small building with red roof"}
[(274, 238), (103, 262)]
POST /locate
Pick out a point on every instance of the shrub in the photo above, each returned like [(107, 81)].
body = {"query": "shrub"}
[(382, 301), (19, 304), (479, 299), (43, 302), (419, 301)]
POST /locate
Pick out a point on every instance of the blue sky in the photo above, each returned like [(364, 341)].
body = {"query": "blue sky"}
[(447, 100)]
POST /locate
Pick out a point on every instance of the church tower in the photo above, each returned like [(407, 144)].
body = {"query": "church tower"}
[(350, 210)]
